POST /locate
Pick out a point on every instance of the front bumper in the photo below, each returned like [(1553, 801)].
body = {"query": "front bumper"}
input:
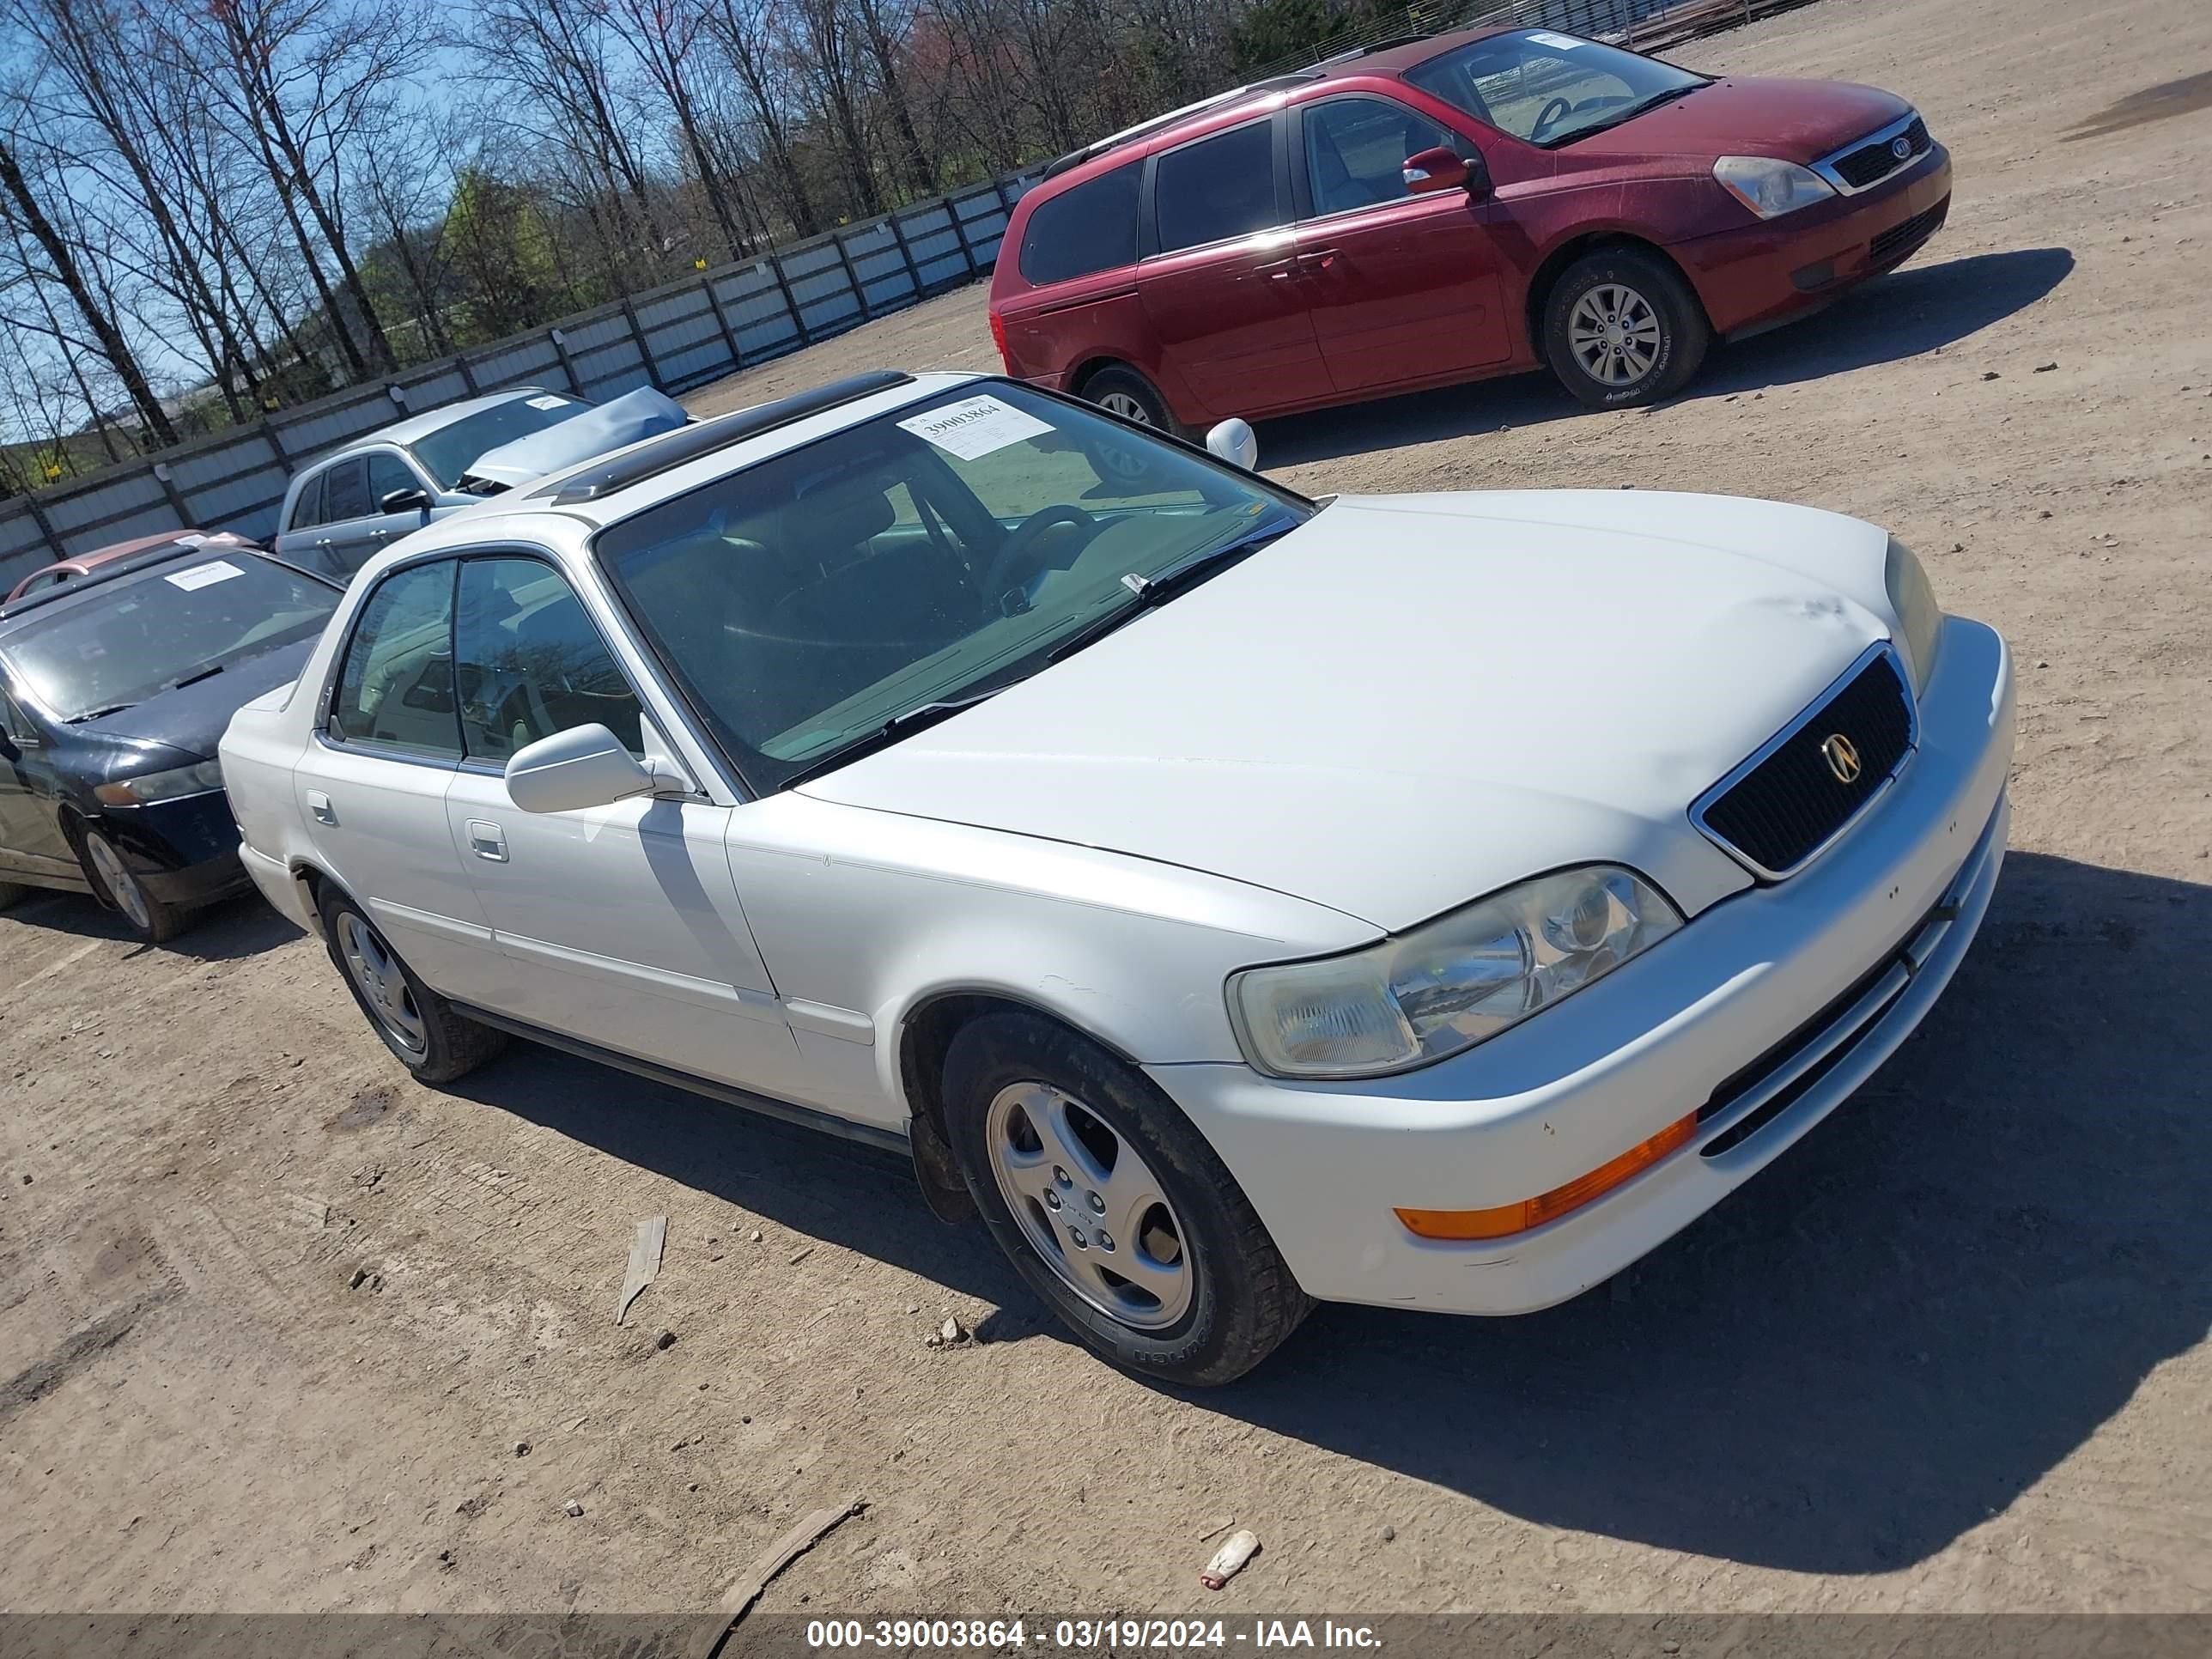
[(1789, 994), (182, 850), (1764, 273)]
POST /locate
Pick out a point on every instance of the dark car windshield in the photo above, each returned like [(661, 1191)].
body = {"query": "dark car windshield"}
[(135, 637), (923, 556), (1550, 89), (451, 451)]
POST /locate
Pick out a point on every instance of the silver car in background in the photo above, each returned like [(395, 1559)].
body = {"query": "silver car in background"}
[(349, 505)]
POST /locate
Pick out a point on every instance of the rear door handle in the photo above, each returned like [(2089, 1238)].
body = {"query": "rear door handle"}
[(320, 807), (487, 840)]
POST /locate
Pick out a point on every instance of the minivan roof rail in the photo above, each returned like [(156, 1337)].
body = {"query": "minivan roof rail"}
[(1384, 45), (1154, 123), (689, 443)]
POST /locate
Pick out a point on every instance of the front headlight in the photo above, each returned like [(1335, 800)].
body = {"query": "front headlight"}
[(162, 786), (1919, 618), (1769, 187), (1446, 985)]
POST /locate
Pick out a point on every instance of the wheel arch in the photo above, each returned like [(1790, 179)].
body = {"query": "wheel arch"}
[(1556, 262), (927, 1029)]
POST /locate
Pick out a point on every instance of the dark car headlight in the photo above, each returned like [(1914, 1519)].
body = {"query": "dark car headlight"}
[(172, 785)]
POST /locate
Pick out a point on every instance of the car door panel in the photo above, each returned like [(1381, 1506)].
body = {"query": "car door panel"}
[(1400, 287)]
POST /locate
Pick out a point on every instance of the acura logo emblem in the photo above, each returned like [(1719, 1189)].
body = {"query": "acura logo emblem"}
[(1900, 147), (1842, 758)]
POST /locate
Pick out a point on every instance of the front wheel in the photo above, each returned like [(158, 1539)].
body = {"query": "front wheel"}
[(153, 920), (1113, 1206), (419, 1026), (1622, 328)]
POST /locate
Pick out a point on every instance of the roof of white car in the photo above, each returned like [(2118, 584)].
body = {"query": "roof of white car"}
[(532, 513)]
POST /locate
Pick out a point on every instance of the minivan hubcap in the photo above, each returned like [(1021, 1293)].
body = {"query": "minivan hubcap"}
[(1615, 334), (122, 886), (376, 974), (1127, 406), (1089, 1206)]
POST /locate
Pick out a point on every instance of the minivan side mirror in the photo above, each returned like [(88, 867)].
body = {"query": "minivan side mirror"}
[(1442, 168), (404, 500), (1235, 442), (583, 766)]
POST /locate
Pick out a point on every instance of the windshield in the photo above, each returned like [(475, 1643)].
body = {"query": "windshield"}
[(926, 555), (136, 636), (451, 451), (1549, 88)]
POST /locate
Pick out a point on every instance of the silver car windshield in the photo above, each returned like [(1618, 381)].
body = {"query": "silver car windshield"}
[(926, 556)]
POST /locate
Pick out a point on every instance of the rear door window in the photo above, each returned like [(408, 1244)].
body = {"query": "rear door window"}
[(1218, 188), (395, 690), (1091, 226), (345, 492)]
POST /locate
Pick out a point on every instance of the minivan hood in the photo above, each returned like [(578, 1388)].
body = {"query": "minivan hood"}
[(1412, 701), (611, 426), (1796, 121)]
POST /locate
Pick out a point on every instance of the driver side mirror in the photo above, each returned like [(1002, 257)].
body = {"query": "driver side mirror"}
[(404, 500), (1235, 442), (1442, 168), (583, 766)]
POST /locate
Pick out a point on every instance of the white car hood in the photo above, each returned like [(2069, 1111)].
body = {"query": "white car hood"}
[(1414, 701)]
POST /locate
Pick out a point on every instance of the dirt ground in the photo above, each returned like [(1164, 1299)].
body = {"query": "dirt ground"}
[(277, 1324)]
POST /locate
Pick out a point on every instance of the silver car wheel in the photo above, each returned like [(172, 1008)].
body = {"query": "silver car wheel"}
[(377, 976), (1613, 333), (122, 886), (1089, 1205), (1127, 406)]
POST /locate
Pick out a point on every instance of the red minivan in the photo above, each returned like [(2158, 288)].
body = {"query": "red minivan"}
[(1449, 209)]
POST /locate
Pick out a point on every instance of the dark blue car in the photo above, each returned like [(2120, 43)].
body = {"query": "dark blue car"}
[(114, 691)]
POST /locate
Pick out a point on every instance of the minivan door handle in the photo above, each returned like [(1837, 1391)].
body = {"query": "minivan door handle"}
[(1321, 258), (487, 840)]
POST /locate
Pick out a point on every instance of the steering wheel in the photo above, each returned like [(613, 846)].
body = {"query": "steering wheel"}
[(1021, 541), (1550, 113)]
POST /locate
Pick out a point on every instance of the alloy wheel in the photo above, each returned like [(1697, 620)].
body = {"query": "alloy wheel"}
[(1127, 406), (122, 886), (377, 976), (1089, 1205), (1615, 334)]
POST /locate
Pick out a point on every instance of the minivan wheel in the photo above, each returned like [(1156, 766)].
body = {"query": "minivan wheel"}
[(1622, 328), (418, 1026), (1125, 393), (1113, 1206), (153, 920)]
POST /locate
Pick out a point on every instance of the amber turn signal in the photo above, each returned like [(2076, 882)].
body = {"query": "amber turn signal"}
[(1509, 1218)]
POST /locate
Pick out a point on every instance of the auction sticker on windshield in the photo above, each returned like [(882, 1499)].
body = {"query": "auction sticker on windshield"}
[(1537, 38), (549, 403), (204, 575), (974, 426)]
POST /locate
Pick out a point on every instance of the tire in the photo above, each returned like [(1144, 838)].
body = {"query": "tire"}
[(1035, 1109), (1125, 393), (1642, 320), (418, 1026), (152, 919)]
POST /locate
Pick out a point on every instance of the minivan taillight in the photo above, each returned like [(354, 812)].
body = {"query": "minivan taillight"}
[(998, 340)]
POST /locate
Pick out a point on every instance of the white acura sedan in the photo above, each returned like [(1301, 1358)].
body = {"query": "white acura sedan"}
[(1240, 900)]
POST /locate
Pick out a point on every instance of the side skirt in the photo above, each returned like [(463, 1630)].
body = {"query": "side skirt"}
[(806, 1117)]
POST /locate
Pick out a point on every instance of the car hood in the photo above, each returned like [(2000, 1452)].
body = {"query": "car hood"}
[(1796, 121), (1414, 701), (189, 720), (614, 425)]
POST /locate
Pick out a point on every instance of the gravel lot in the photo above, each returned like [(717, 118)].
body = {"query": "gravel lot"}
[(1950, 1354)]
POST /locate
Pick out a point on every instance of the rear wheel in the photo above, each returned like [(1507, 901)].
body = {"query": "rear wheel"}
[(418, 1026), (151, 918), (1125, 393), (1114, 1208), (1622, 328)]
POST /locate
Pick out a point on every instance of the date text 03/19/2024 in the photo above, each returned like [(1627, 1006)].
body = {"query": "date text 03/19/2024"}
[(1084, 1634)]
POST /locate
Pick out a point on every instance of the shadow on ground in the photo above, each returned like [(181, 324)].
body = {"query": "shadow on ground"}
[(1904, 314), (1885, 1339), (229, 931)]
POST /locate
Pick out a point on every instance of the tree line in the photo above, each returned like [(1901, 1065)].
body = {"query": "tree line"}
[(209, 209)]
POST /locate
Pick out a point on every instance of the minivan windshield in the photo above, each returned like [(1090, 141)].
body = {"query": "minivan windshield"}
[(1550, 89), (929, 556), (134, 637)]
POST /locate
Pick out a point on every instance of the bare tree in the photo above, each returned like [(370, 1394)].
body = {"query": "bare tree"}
[(740, 30)]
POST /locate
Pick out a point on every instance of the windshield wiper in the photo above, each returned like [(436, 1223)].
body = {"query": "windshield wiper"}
[(1620, 117), (98, 713), (904, 724), (1154, 591), (195, 676)]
